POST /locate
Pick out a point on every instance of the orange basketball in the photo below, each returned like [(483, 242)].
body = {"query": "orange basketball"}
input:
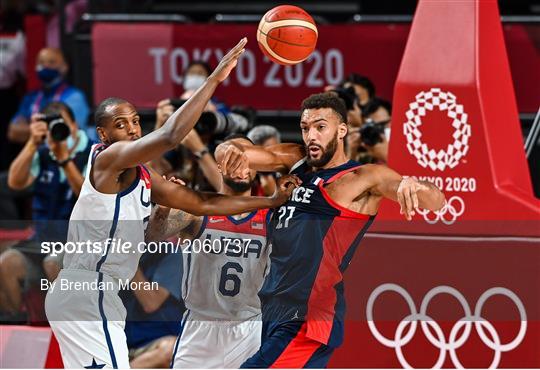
[(287, 34)]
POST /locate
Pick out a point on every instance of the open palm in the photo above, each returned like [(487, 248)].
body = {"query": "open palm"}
[(229, 61)]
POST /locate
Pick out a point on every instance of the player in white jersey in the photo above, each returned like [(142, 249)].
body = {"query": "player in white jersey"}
[(82, 306), (225, 259)]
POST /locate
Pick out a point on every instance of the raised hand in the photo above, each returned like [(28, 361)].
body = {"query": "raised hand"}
[(38, 129), (285, 186), (164, 110), (228, 62)]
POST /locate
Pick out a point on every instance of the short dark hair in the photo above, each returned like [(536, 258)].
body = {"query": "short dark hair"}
[(326, 100), (101, 111), (363, 81), (375, 103), (201, 63), (56, 107)]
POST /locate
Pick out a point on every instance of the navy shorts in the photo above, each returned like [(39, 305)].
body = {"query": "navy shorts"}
[(285, 345)]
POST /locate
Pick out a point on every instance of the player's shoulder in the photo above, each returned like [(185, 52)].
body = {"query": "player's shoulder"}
[(369, 169), (109, 153), (365, 174)]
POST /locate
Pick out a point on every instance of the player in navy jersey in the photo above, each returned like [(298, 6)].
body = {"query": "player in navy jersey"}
[(314, 235)]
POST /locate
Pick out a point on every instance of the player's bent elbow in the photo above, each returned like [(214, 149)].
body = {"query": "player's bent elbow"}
[(16, 184), (168, 140), (12, 134)]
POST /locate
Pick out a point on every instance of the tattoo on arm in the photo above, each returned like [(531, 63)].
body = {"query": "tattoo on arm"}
[(165, 223), (177, 221)]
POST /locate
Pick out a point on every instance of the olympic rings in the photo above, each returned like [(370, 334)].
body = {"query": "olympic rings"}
[(453, 343)]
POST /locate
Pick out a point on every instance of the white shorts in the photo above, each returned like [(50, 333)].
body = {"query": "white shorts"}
[(88, 322), (215, 344)]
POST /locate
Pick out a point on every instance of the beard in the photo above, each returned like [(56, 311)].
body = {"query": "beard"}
[(327, 154), (237, 186)]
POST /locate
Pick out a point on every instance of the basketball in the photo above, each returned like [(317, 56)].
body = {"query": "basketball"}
[(287, 34)]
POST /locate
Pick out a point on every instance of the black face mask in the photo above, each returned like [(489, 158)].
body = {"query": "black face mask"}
[(49, 76)]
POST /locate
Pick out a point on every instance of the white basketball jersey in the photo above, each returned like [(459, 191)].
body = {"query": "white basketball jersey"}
[(110, 225), (224, 267)]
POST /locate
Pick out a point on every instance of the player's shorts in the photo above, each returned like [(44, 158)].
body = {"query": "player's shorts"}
[(215, 344), (88, 323), (285, 345)]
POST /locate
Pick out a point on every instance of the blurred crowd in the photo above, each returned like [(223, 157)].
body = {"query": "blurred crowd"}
[(45, 138)]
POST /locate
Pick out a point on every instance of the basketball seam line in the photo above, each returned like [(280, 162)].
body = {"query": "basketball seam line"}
[(285, 42), (290, 19)]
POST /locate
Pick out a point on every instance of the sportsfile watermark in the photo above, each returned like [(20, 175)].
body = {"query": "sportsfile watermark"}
[(229, 246)]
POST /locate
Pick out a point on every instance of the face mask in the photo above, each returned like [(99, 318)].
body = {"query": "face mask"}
[(48, 76), (193, 82), (387, 133)]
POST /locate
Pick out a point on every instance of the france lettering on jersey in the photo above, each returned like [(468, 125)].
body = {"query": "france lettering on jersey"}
[(313, 240), (99, 217), (224, 267)]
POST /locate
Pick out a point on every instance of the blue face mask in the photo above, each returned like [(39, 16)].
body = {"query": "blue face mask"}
[(48, 76)]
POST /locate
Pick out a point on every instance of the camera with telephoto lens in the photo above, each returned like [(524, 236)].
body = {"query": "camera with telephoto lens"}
[(58, 127), (238, 120), (218, 123), (371, 133)]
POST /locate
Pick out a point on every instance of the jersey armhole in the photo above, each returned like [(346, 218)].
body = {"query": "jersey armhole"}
[(203, 227), (344, 212), (297, 165), (98, 149), (340, 174)]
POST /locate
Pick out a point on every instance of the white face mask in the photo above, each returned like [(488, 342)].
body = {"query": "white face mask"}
[(387, 133), (193, 82)]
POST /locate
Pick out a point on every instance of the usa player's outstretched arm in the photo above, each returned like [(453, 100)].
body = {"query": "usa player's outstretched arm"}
[(127, 154), (409, 192), (233, 155), (171, 195)]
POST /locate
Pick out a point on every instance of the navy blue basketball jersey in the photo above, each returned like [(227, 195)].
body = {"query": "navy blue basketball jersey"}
[(313, 240)]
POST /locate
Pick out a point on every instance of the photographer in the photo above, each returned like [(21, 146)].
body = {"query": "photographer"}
[(194, 76), (196, 166), (369, 143), (51, 70), (53, 160), (354, 114), (363, 86)]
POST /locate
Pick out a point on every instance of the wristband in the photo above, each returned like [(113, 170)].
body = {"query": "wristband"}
[(201, 153), (64, 162)]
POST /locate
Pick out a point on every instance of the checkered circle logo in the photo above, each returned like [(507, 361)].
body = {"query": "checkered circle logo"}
[(426, 157)]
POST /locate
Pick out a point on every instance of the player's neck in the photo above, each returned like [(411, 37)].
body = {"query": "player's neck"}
[(338, 159)]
